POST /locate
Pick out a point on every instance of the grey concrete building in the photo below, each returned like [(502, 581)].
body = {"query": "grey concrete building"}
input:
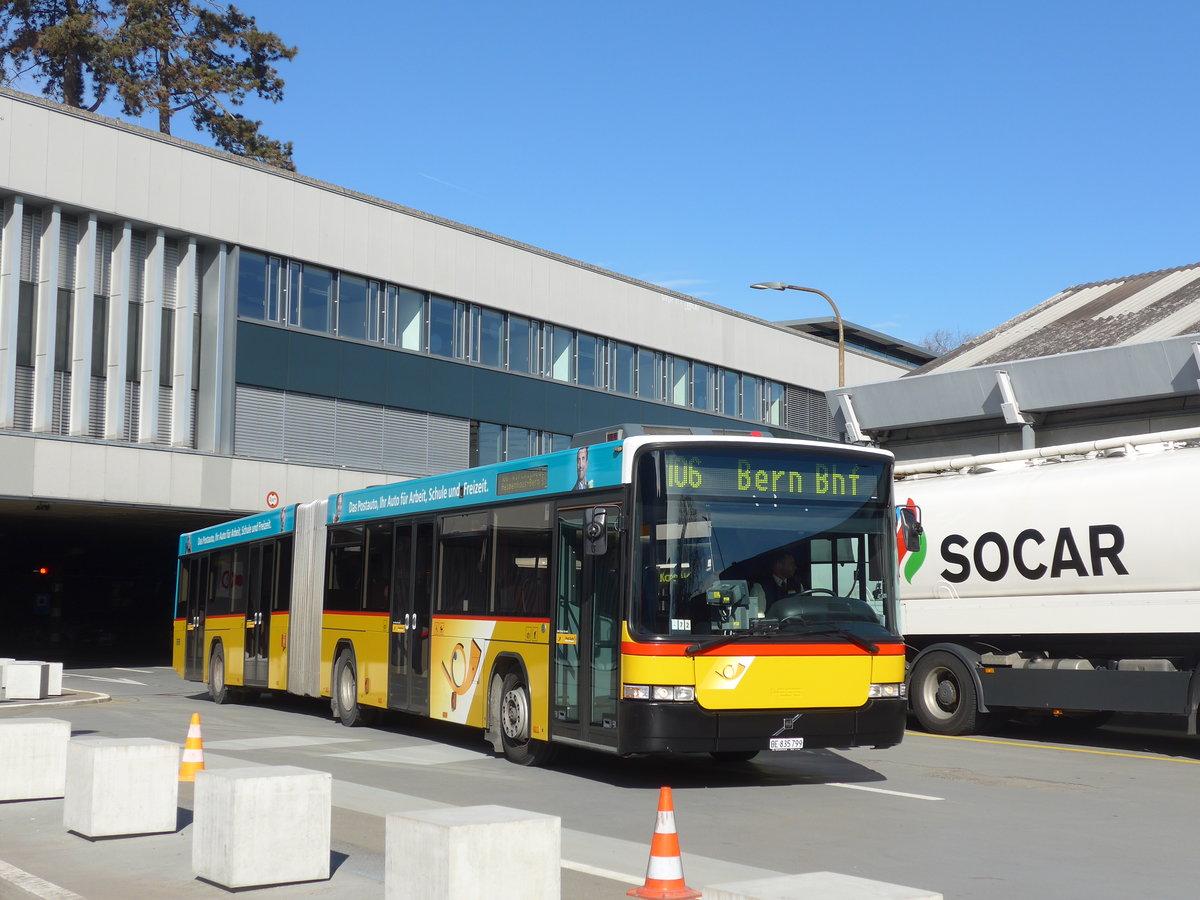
[(187, 336)]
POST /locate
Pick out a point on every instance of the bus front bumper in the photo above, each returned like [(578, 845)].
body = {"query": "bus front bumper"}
[(649, 727)]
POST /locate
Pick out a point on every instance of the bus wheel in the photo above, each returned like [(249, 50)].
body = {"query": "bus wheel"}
[(733, 756), (943, 695), (345, 691), (515, 725), (218, 690)]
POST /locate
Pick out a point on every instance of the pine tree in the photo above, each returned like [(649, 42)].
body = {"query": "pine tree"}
[(172, 56), (59, 43), (159, 56)]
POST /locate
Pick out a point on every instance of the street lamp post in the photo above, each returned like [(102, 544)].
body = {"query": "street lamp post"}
[(780, 286)]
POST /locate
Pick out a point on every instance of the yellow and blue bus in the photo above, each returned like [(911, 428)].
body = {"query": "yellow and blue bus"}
[(658, 592)]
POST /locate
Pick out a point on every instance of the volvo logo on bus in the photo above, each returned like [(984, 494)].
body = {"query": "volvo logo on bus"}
[(789, 722)]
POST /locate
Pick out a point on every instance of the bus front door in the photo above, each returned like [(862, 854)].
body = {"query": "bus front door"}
[(412, 608), (193, 642), (587, 624)]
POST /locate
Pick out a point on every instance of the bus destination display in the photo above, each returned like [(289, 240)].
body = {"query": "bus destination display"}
[(779, 476)]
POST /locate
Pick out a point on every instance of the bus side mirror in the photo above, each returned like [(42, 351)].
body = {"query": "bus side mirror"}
[(910, 524), (595, 531)]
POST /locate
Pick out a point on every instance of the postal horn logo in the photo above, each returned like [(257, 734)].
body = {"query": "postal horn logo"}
[(908, 542)]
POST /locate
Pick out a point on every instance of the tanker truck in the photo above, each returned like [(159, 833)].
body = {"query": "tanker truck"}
[(1062, 580)]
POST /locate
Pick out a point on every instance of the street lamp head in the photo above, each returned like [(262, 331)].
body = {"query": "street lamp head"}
[(769, 286)]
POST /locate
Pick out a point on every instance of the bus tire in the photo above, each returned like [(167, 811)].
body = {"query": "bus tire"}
[(943, 695), (345, 691), (218, 690), (515, 722)]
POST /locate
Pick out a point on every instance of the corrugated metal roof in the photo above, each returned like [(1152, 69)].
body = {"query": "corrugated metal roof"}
[(1131, 310)]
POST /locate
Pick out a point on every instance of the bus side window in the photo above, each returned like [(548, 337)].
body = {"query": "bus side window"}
[(344, 576)]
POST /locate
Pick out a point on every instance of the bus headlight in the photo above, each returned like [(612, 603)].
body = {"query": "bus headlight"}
[(877, 691), (684, 693)]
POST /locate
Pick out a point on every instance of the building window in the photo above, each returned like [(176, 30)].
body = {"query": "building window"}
[(376, 313), (410, 316), (521, 356), (487, 443), (590, 363), (775, 404), (275, 289), (316, 298), (252, 285), (679, 381), (99, 335), (487, 337), (648, 379), (62, 332), (559, 346), (521, 443), (703, 387), (166, 348), (730, 393), (751, 398), (352, 307), (133, 363), (444, 328), (624, 369)]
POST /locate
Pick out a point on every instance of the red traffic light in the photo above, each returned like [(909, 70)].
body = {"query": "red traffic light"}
[(42, 570)]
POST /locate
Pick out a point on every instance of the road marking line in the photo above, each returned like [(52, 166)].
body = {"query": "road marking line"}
[(602, 873), (859, 787), (958, 737), (37, 886), (98, 678), (139, 671)]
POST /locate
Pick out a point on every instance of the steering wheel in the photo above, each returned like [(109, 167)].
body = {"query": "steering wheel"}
[(812, 592)]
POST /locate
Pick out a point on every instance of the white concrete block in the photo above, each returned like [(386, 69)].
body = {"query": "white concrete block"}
[(26, 680), (54, 682), (4, 661), (261, 825), (473, 852), (34, 754), (826, 885), (121, 786)]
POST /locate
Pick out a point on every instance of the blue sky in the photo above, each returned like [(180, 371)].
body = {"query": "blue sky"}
[(929, 165)]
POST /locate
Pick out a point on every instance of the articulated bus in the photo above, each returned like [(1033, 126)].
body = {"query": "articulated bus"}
[(679, 593)]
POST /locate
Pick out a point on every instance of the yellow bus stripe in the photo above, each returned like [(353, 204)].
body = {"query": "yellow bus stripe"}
[(954, 737)]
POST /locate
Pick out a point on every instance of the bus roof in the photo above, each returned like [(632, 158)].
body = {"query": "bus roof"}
[(607, 465), (247, 528)]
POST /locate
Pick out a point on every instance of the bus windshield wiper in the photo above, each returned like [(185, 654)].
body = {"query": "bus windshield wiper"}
[(720, 639), (856, 639)]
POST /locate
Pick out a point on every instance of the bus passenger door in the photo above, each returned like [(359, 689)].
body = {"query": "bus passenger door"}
[(587, 624), (258, 614), (412, 606), (195, 587)]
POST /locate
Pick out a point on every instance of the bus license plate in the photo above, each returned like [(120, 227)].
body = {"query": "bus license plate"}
[(787, 743)]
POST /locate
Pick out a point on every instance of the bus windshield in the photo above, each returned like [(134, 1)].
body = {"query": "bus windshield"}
[(762, 540)]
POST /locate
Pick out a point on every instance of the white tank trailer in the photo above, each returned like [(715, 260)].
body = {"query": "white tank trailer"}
[(1064, 580)]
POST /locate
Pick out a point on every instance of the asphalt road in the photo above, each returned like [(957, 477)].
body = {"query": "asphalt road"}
[(1023, 812)]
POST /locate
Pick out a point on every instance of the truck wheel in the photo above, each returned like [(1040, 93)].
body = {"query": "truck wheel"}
[(345, 691), (943, 695), (515, 721)]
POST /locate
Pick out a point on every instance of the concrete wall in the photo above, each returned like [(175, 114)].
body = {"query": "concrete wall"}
[(47, 468)]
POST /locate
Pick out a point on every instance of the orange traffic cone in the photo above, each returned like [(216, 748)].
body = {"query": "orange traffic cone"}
[(193, 751), (664, 872)]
